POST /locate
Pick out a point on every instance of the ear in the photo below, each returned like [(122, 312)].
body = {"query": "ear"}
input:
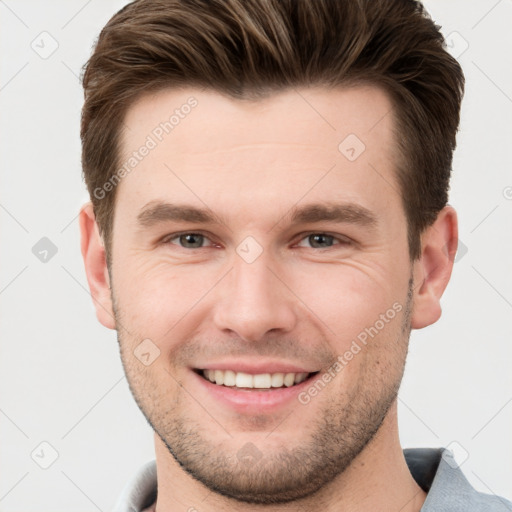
[(434, 268), (93, 253)]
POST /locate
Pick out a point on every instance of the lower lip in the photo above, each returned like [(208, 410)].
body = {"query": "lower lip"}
[(254, 400)]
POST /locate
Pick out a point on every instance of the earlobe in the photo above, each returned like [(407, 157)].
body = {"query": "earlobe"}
[(433, 270), (93, 253)]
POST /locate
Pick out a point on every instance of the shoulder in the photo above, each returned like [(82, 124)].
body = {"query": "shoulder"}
[(437, 472)]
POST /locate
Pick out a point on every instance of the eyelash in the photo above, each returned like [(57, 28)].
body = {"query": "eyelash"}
[(343, 241)]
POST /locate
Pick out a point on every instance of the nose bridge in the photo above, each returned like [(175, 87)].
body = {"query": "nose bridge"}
[(254, 300)]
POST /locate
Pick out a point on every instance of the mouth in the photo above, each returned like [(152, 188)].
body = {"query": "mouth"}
[(247, 381)]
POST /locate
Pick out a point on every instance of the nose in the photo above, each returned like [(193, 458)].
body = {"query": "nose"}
[(254, 300)]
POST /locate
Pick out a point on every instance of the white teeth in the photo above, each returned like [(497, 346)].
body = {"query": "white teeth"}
[(229, 378), (259, 381), (300, 377), (277, 380), (243, 380), (219, 377), (289, 379), (262, 380)]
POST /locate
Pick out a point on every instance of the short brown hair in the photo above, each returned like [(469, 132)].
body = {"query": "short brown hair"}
[(248, 49)]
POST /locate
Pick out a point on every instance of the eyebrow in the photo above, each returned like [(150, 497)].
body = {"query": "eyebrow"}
[(156, 212)]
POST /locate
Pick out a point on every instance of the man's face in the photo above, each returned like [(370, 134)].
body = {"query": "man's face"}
[(261, 289)]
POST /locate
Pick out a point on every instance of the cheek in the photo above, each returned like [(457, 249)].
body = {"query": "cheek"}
[(351, 297), (154, 297)]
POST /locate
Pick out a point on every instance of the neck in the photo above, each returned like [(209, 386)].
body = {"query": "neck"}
[(377, 479)]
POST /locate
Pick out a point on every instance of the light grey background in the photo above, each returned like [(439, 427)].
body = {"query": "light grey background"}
[(61, 377)]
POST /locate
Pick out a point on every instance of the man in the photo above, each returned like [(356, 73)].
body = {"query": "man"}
[(268, 222)]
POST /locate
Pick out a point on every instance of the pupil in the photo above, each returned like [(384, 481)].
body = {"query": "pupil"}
[(321, 237), (186, 239)]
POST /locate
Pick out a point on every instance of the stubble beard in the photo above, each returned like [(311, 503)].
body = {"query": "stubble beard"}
[(342, 430)]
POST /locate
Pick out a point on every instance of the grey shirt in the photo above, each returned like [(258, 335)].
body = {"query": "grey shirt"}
[(434, 470)]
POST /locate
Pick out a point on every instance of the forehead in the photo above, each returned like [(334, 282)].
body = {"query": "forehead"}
[(202, 144), (289, 116)]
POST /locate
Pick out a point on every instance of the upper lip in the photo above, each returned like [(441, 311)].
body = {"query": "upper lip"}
[(255, 368)]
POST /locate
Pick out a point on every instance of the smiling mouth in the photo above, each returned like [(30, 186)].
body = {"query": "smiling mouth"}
[(261, 381)]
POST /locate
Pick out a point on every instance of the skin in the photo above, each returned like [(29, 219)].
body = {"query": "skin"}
[(300, 301)]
